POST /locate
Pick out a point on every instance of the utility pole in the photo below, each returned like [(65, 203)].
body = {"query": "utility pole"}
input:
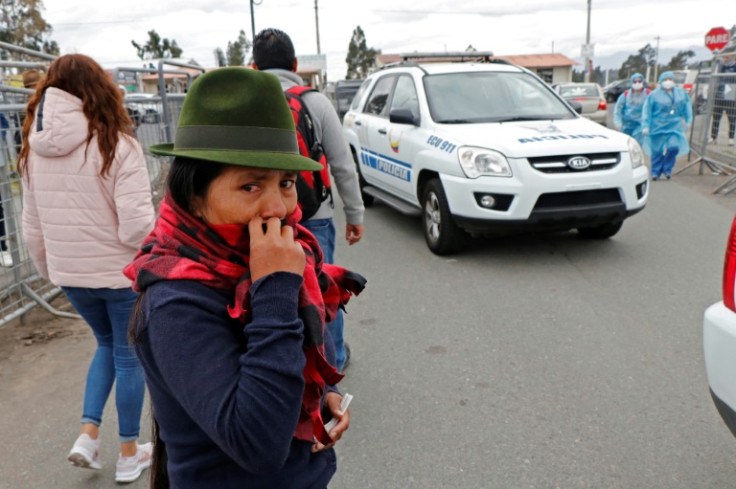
[(588, 64), (316, 21), (252, 22), (656, 60)]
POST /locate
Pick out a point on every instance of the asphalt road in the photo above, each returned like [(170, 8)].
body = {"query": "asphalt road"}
[(529, 362), (539, 362)]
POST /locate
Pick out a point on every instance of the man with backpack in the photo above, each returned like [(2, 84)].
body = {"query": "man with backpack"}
[(320, 137), (627, 115)]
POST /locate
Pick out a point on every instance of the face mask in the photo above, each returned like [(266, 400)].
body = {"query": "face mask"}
[(637, 85), (667, 84)]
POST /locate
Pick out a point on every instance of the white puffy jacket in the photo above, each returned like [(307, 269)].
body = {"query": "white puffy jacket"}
[(82, 229)]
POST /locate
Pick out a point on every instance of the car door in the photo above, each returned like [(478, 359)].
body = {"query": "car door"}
[(373, 124), (400, 144)]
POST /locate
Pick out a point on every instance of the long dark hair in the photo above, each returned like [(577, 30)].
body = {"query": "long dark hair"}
[(102, 104), (187, 181)]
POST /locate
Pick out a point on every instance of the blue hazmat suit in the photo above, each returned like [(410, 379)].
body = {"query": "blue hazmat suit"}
[(627, 116), (666, 116)]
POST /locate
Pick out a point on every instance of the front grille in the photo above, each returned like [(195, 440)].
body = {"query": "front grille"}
[(560, 200), (558, 163)]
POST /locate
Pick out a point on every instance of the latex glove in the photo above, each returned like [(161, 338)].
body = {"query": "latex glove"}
[(645, 131)]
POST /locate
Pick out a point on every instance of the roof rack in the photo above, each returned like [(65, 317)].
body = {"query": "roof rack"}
[(484, 56), (395, 64)]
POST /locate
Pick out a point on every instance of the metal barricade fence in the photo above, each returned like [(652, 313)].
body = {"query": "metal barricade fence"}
[(21, 287), (150, 128), (714, 114)]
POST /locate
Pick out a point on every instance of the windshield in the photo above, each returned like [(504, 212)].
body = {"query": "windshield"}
[(461, 98)]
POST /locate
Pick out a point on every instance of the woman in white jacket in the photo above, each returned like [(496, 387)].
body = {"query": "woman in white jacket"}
[(86, 209)]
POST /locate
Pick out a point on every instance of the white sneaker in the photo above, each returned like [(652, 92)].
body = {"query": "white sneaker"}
[(730, 142), (85, 453), (6, 259), (128, 469)]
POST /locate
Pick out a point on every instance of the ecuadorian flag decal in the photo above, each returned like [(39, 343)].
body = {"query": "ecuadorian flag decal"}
[(394, 143), (385, 164)]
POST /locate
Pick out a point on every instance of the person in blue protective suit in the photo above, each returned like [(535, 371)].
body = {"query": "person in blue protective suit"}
[(627, 115), (667, 114)]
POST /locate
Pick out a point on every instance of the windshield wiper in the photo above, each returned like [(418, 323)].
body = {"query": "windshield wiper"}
[(454, 121), (527, 118)]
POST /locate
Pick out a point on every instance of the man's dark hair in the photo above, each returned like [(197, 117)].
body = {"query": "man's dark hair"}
[(273, 48)]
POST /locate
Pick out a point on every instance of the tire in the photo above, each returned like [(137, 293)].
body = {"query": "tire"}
[(440, 231), (603, 231), (367, 199)]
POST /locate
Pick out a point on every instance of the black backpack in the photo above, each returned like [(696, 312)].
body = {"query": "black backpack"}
[(313, 187)]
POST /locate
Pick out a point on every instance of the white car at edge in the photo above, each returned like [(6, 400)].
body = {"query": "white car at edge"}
[(719, 340), (489, 148)]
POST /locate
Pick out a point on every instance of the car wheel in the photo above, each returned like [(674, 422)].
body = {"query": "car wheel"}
[(602, 231), (440, 231), (367, 199)]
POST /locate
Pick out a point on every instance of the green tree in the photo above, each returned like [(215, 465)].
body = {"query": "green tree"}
[(220, 60), (22, 24), (237, 50), (360, 58), (637, 62), (678, 61), (156, 48)]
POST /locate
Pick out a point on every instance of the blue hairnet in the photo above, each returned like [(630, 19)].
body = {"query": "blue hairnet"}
[(635, 76), (665, 75)]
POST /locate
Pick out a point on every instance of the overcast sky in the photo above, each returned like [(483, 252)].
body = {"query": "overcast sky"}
[(103, 29)]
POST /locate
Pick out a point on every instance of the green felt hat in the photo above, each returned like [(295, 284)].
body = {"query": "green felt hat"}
[(237, 116)]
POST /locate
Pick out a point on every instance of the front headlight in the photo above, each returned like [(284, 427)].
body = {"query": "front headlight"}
[(476, 162), (637, 155)]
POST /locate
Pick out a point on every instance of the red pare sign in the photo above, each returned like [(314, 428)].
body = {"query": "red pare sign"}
[(717, 38)]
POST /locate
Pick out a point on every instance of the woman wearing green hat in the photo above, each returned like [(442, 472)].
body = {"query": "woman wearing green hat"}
[(234, 298)]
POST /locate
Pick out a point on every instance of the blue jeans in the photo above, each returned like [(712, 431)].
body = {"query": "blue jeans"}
[(107, 311), (324, 231), (664, 163)]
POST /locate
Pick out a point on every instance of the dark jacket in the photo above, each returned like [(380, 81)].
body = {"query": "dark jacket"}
[(226, 395)]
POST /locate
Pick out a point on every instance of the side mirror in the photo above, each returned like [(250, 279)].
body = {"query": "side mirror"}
[(576, 106), (404, 116)]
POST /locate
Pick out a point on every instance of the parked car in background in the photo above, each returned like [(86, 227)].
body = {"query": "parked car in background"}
[(345, 90), (341, 94), (719, 340), (146, 107), (685, 79), (590, 96), (612, 91)]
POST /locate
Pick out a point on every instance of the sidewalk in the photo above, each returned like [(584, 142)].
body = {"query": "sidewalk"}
[(43, 365)]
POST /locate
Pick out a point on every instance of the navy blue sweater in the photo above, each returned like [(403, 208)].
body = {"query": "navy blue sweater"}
[(227, 396)]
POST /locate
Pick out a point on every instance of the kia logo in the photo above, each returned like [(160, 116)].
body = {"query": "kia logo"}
[(578, 163)]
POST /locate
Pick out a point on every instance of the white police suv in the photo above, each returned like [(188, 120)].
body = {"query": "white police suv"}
[(489, 148)]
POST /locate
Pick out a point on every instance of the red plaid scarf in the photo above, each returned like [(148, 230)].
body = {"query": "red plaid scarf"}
[(182, 247)]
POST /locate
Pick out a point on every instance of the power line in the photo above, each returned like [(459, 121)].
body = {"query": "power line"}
[(131, 21)]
